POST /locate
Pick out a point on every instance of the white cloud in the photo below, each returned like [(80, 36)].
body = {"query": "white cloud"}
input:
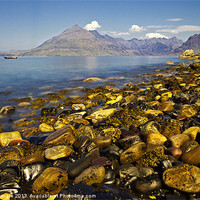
[(119, 33), (158, 26), (179, 29), (92, 26), (155, 35), (174, 19), (136, 28), (115, 33)]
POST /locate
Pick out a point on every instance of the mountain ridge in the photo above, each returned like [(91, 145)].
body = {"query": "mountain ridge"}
[(76, 41)]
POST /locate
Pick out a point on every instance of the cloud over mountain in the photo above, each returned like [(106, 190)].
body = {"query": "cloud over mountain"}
[(136, 28), (155, 35), (92, 26)]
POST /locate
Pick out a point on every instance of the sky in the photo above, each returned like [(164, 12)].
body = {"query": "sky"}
[(26, 24)]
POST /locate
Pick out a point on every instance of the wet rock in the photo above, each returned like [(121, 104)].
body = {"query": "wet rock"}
[(188, 146), (62, 163), (172, 128), (101, 114), (147, 184), (24, 104), (188, 111), (92, 79), (192, 157), (102, 141), (174, 151), (128, 141), (155, 139), (9, 153), (133, 153), (185, 178), (61, 136), (19, 142), (80, 142), (113, 133), (166, 106), (7, 110), (60, 123), (51, 181), (29, 132), (150, 127), (164, 165), (102, 161), (56, 152), (153, 112), (78, 107), (37, 140), (192, 132), (31, 159), (152, 157), (91, 175), (9, 163), (48, 111), (85, 130), (7, 137), (78, 166), (31, 171), (177, 140), (189, 53), (93, 153), (112, 152), (45, 127), (169, 63)]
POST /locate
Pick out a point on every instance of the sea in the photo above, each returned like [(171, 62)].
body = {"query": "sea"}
[(35, 76)]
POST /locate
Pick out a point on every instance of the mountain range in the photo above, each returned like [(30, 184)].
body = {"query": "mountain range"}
[(77, 41)]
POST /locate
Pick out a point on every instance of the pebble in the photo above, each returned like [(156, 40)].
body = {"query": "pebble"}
[(102, 141), (31, 159), (91, 175), (61, 136), (78, 166), (133, 153), (192, 157), (51, 181), (57, 152)]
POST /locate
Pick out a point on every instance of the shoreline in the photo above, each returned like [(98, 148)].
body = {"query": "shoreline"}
[(130, 138)]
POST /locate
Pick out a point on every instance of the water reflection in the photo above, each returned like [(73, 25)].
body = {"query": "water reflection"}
[(91, 63)]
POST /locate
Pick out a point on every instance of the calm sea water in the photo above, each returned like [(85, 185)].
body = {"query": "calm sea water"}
[(27, 76)]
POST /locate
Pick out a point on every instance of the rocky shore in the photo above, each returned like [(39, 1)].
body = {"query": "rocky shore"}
[(141, 141)]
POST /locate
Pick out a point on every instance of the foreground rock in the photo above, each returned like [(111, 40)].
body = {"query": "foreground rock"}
[(51, 181), (185, 178)]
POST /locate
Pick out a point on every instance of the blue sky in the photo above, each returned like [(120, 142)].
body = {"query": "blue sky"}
[(26, 24)]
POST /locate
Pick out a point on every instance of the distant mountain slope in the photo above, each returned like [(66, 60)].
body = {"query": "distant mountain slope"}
[(193, 42), (76, 41)]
